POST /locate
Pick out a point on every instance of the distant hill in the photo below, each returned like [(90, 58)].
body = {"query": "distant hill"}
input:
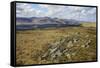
[(44, 22), (24, 20)]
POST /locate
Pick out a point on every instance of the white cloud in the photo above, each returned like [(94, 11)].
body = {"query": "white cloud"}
[(66, 12)]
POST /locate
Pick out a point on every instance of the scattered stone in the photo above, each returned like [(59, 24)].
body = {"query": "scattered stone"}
[(89, 41), (45, 55), (68, 56), (65, 50), (86, 45), (58, 53), (52, 56), (75, 40), (62, 40), (83, 45), (70, 44), (53, 50)]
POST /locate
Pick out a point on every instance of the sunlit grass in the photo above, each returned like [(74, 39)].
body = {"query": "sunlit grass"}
[(31, 44), (93, 24)]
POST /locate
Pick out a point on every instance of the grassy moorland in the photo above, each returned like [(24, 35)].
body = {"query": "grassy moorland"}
[(56, 45), (87, 24)]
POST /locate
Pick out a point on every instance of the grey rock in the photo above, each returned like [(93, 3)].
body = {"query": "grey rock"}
[(70, 44), (75, 40), (58, 53), (68, 56), (53, 50), (65, 50), (45, 55)]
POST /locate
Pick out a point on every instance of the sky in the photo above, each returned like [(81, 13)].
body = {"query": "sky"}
[(56, 11)]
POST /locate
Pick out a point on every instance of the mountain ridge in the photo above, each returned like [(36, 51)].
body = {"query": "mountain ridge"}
[(44, 22)]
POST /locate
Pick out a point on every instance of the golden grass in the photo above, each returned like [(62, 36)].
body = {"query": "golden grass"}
[(31, 44), (93, 24)]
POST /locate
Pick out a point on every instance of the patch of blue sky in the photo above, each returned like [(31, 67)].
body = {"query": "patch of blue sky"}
[(38, 7)]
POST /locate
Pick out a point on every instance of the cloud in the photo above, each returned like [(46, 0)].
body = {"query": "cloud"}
[(24, 10), (65, 12)]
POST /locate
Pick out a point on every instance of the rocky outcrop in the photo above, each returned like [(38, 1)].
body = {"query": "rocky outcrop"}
[(62, 48)]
